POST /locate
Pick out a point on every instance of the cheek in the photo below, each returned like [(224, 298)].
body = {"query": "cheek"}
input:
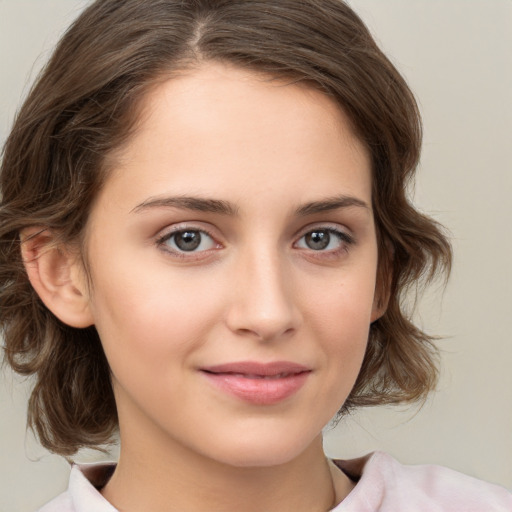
[(342, 306), (151, 316), (339, 318)]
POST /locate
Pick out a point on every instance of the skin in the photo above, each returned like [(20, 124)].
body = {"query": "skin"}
[(254, 290)]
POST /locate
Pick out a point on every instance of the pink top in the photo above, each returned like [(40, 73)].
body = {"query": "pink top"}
[(384, 485)]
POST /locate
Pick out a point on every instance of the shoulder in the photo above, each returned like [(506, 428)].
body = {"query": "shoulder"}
[(385, 485), (82, 494), (62, 503)]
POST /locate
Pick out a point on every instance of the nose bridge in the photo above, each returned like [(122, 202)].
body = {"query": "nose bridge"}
[(263, 303)]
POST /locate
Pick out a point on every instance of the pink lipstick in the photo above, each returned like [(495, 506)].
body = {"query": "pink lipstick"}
[(258, 383)]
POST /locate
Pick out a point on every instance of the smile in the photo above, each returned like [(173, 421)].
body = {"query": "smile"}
[(258, 383)]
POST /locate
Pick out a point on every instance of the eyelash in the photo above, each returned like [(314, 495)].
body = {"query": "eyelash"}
[(189, 255), (346, 240)]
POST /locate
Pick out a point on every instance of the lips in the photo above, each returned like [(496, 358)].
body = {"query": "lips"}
[(258, 383)]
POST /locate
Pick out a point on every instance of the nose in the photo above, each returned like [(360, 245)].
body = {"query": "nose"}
[(264, 305)]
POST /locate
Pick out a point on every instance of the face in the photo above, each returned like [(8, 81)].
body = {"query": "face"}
[(233, 259)]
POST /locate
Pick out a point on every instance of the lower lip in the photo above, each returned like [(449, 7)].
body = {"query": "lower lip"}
[(258, 391)]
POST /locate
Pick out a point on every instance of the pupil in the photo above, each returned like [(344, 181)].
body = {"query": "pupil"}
[(187, 240), (318, 240)]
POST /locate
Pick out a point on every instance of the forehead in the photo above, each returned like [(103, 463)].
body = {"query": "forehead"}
[(222, 130)]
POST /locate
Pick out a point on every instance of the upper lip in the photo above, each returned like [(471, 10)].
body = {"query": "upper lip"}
[(271, 369)]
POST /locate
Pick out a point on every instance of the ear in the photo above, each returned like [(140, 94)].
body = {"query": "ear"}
[(379, 306), (382, 292), (57, 276)]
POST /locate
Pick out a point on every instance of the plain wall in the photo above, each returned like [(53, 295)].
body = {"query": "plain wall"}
[(457, 57)]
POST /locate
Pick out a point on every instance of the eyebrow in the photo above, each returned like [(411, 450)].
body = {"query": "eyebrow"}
[(197, 204), (329, 204), (226, 208)]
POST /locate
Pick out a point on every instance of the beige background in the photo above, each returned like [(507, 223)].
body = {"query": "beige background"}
[(457, 56)]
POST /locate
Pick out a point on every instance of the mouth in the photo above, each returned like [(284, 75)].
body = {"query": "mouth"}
[(254, 376), (258, 383)]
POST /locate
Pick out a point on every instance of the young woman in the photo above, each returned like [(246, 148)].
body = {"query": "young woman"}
[(206, 241)]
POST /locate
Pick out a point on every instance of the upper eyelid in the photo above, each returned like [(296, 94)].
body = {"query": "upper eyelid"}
[(347, 237), (212, 231), (330, 226), (184, 226)]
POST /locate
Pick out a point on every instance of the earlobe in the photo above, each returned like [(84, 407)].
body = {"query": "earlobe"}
[(56, 276)]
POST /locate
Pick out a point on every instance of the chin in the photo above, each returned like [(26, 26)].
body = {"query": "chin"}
[(266, 451)]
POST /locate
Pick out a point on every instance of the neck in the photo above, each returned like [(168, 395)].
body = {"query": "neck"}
[(152, 478)]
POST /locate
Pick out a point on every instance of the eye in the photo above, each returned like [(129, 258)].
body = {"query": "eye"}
[(324, 239), (187, 240)]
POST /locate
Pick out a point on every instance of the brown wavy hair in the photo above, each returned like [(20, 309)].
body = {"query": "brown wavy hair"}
[(85, 104)]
